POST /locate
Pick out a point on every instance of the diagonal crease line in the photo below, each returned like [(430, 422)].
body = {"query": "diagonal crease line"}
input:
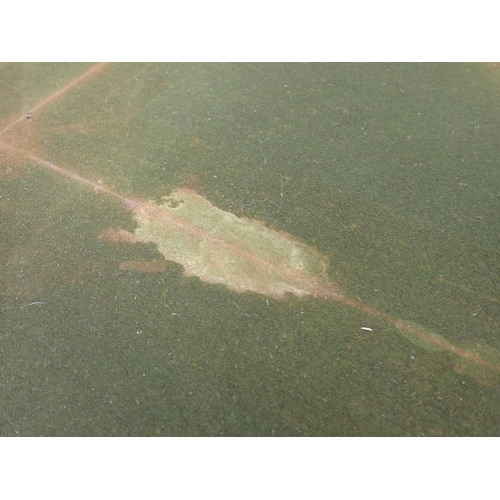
[(73, 83), (151, 212), (68, 173)]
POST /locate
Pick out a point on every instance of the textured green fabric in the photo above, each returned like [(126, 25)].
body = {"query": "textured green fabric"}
[(387, 170)]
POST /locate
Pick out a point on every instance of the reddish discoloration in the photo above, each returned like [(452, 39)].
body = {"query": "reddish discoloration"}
[(142, 266), (118, 236)]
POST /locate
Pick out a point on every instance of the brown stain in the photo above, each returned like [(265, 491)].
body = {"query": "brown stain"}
[(142, 266), (117, 236)]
